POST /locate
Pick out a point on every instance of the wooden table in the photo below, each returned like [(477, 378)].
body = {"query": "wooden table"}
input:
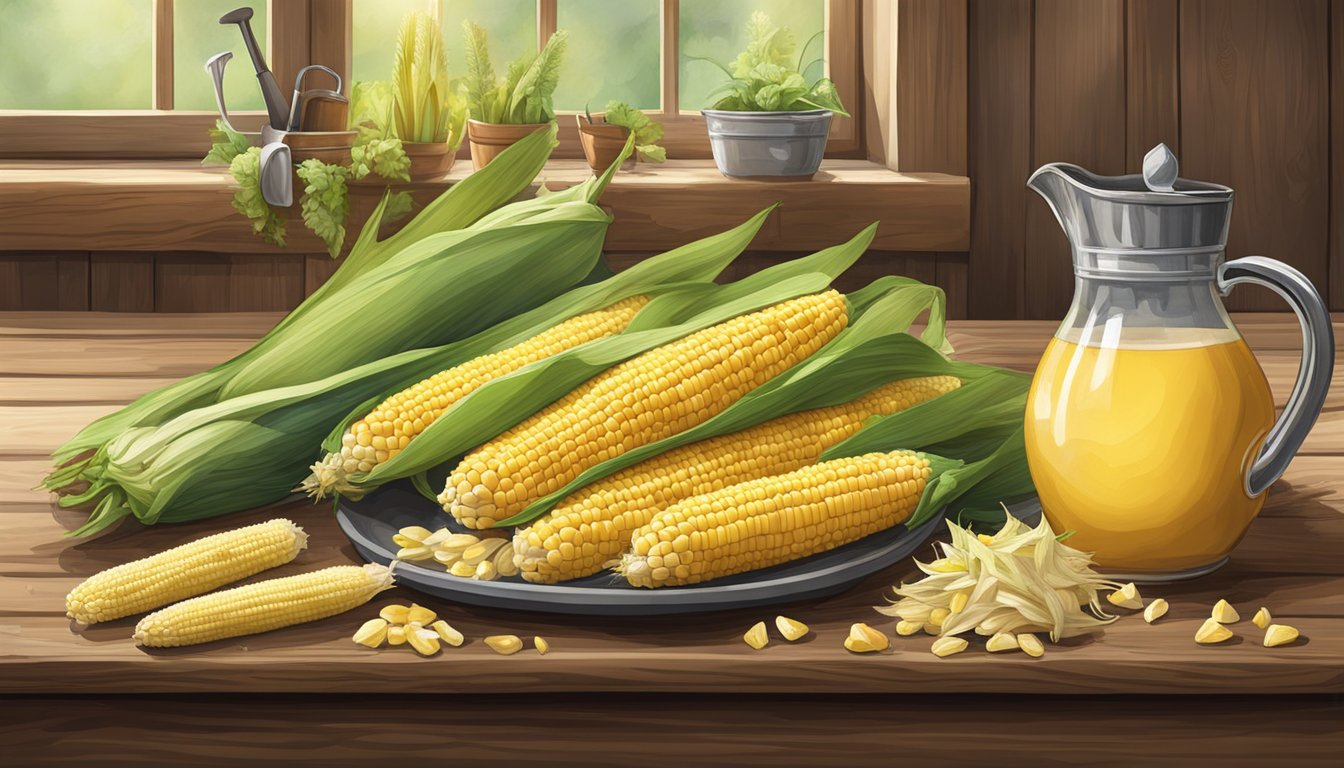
[(637, 691)]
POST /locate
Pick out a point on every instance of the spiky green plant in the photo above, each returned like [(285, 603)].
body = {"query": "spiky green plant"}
[(525, 95)]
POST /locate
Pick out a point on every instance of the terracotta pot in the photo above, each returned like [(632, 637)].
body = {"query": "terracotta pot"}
[(429, 160), (332, 147), (602, 143), (489, 139)]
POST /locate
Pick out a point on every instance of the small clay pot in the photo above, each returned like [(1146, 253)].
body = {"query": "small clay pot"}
[(602, 143), (429, 160), (489, 139)]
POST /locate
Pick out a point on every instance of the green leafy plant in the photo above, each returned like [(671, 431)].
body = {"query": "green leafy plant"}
[(245, 167), (646, 130), (766, 77), (423, 105), (525, 95), (325, 202), (225, 144)]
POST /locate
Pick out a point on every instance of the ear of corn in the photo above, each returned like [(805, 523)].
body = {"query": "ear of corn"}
[(644, 400), (263, 606), (592, 527), (184, 571), (776, 519)]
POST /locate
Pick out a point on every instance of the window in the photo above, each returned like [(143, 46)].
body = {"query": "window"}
[(130, 80)]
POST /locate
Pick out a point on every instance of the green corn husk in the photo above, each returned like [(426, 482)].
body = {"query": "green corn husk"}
[(461, 205), (504, 402)]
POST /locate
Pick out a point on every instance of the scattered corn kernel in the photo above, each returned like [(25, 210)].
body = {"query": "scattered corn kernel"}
[(447, 633), (541, 645), (447, 557), (504, 563), (1126, 597), (1155, 610), (424, 641), (907, 628), (462, 568), (481, 550), (396, 635), (946, 646), (395, 614), (372, 633), (1002, 641), (436, 538), (458, 542), (938, 615), (414, 532), (756, 637), (1212, 632), (1262, 618), (864, 639), (504, 645), (1224, 613), (485, 571), (932, 629), (404, 541), (959, 601), (1280, 634), (1031, 645), (420, 614), (790, 629), (414, 554)]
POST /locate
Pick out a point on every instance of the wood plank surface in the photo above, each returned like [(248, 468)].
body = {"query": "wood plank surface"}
[(1152, 79), (931, 86), (138, 357), (602, 731), (121, 206), (1000, 156), (44, 281), (121, 282), (201, 282), (1336, 297), (1254, 105)]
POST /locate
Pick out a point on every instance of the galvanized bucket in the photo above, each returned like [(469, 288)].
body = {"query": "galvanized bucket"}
[(774, 145)]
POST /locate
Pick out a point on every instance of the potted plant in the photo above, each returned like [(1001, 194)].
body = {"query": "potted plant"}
[(771, 123), (503, 111), (604, 135), (425, 115)]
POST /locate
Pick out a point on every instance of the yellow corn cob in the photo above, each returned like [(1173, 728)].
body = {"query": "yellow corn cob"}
[(776, 519), (185, 571), (655, 395), (263, 606), (400, 418), (597, 521)]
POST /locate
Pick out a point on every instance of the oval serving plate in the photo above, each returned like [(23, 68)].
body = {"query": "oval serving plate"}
[(371, 521)]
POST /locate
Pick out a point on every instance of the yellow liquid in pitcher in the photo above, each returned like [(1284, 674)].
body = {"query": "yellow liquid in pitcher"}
[(1142, 449)]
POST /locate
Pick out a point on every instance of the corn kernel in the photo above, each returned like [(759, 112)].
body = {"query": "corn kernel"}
[(415, 533), (504, 645), (985, 539), (395, 614), (420, 614), (946, 646), (436, 538), (1031, 645), (396, 635), (864, 639), (938, 615), (485, 571), (447, 633), (414, 554), (1279, 634), (371, 633), (541, 645), (959, 601), (1155, 610), (462, 568), (756, 637), (789, 628), (1126, 597), (1212, 632), (907, 628), (1262, 618), (1224, 613), (481, 550), (932, 629), (404, 541), (1002, 641), (447, 556), (424, 641)]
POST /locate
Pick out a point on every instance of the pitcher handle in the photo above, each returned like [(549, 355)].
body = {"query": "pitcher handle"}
[(1313, 373)]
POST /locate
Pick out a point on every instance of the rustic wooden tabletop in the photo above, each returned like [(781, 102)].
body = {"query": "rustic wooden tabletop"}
[(612, 690)]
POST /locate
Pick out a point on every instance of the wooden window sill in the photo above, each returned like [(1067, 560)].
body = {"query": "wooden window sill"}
[(179, 205)]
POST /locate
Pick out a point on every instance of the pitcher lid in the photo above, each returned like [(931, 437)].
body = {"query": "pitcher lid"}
[(1155, 209)]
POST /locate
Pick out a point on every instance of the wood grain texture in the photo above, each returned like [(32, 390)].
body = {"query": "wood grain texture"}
[(106, 134), (953, 276), (1078, 116), (1152, 79), (605, 731), (931, 86), (329, 36), (121, 282), (1254, 106), (288, 42), (44, 281), (1000, 156), (107, 205), (1336, 290), (161, 54), (196, 282)]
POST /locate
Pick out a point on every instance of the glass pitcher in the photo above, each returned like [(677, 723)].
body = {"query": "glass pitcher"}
[(1150, 428)]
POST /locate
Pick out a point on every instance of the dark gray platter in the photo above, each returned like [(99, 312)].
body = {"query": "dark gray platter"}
[(371, 522)]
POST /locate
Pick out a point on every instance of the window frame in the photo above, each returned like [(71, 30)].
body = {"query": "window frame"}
[(320, 31)]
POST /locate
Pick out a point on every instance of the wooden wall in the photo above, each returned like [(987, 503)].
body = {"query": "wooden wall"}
[(1241, 90)]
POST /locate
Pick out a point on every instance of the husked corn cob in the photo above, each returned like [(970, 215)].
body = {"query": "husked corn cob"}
[(184, 571), (597, 521), (400, 418), (653, 396), (776, 519), (264, 606)]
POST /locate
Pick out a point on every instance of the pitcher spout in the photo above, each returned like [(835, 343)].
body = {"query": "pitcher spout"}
[(1056, 183)]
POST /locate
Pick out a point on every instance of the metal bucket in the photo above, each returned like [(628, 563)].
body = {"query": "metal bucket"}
[(774, 145)]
